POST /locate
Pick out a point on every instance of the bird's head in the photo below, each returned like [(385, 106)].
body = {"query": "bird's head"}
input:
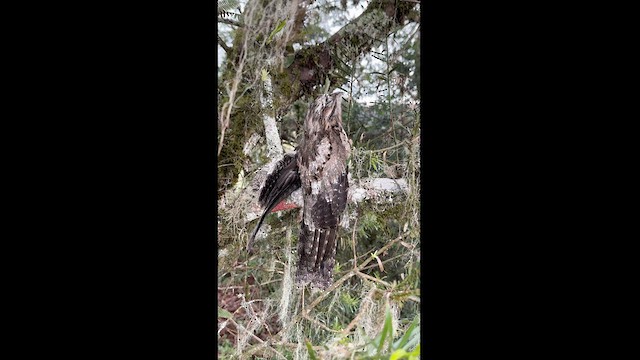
[(327, 109)]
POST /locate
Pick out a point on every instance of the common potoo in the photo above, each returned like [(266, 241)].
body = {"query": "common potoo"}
[(320, 168), (322, 164)]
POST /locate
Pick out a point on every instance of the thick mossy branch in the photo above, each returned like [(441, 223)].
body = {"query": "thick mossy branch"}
[(313, 65), (241, 125), (241, 112)]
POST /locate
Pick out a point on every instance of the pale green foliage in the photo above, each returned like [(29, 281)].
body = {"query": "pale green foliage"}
[(383, 346), (278, 28)]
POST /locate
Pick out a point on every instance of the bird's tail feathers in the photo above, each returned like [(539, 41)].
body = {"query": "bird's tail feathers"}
[(317, 251)]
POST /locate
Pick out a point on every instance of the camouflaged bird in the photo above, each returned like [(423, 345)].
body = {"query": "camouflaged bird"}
[(320, 168)]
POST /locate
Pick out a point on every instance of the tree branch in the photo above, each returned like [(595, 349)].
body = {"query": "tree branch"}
[(274, 144), (312, 65), (224, 46), (230, 22), (365, 189)]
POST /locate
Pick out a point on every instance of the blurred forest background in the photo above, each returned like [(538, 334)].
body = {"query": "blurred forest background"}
[(275, 57)]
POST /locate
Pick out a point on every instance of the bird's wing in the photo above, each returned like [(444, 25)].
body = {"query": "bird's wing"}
[(282, 181)]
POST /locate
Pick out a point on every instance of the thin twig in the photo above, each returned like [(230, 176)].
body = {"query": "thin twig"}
[(291, 345), (226, 48), (369, 277), (271, 281), (384, 261), (230, 22), (326, 293), (353, 243), (382, 250), (320, 324), (262, 342), (234, 287), (406, 141), (410, 297), (413, 291), (363, 307), (353, 323)]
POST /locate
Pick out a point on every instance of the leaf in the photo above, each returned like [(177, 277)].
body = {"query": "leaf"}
[(276, 30), (264, 74), (412, 332), (415, 354), (380, 264), (222, 313), (312, 353), (386, 330), (414, 340), (239, 185), (398, 354), (289, 60)]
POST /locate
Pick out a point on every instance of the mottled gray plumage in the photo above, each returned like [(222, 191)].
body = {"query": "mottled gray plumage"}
[(320, 168), (322, 165)]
